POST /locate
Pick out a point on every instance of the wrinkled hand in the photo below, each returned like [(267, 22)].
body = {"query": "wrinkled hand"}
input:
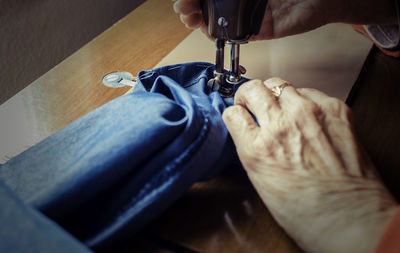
[(305, 163), (289, 17)]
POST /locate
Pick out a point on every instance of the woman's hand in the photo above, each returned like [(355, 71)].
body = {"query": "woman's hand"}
[(289, 17), (305, 163)]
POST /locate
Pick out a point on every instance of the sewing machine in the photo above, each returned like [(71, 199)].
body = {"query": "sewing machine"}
[(233, 22)]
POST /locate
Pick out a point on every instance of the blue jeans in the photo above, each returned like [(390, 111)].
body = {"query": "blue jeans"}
[(109, 173), (23, 229)]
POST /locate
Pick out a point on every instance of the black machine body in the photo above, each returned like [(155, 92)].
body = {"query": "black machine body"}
[(232, 21)]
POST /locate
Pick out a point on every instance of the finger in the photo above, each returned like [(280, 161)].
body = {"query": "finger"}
[(275, 81), (204, 29), (291, 100), (329, 104), (240, 124), (313, 94), (287, 89), (337, 122), (187, 7), (306, 115), (258, 99), (332, 108), (192, 21)]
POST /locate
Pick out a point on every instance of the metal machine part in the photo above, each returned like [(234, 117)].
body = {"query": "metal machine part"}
[(236, 70), (233, 22), (119, 79)]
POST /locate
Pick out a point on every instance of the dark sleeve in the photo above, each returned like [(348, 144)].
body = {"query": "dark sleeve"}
[(385, 37)]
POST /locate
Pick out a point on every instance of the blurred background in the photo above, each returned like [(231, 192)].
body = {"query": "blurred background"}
[(37, 35)]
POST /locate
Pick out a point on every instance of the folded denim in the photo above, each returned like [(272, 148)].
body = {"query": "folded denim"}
[(109, 173), (24, 229)]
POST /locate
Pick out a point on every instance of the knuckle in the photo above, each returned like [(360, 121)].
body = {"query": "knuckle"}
[(337, 107), (247, 90), (230, 112), (279, 130), (191, 21), (281, 133), (310, 106), (305, 107), (274, 80), (346, 113), (250, 85), (261, 147)]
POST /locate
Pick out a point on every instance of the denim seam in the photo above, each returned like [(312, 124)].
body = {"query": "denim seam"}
[(171, 167), (144, 193), (194, 82)]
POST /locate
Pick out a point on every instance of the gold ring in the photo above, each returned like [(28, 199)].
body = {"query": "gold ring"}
[(277, 90)]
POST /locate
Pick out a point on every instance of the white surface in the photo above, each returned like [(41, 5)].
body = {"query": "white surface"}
[(329, 58)]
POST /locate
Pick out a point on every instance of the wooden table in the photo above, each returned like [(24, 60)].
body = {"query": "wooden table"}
[(224, 214)]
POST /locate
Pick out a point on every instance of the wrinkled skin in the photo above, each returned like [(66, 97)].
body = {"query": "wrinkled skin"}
[(289, 17), (305, 163), (302, 155)]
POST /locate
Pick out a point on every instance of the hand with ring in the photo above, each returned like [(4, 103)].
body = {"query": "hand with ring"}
[(303, 159)]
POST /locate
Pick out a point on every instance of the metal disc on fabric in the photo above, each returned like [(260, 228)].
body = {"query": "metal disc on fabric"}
[(118, 79)]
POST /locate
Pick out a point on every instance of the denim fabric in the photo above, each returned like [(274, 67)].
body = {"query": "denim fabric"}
[(110, 172), (23, 229)]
